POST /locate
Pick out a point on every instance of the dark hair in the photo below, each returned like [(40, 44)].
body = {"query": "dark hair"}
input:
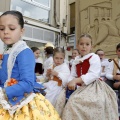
[(118, 46), (34, 49), (17, 14), (98, 50), (85, 35), (59, 50), (76, 50), (49, 50)]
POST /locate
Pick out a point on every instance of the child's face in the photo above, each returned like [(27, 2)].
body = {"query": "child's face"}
[(118, 52), (84, 46), (37, 53), (74, 54), (10, 30), (58, 58), (101, 54)]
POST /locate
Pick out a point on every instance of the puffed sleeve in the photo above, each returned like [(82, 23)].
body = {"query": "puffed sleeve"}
[(94, 70), (73, 73), (64, 74), (26, 63)]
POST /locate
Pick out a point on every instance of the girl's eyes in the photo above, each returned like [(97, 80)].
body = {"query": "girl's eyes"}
[(1, 29), (84, 44), (12, 28)]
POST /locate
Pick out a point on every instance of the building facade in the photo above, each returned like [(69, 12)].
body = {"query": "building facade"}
[(101, 19), (43, 21), (61, 22)]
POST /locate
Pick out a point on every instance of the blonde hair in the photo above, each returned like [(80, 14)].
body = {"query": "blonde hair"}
[(85, 35), (58, 50)]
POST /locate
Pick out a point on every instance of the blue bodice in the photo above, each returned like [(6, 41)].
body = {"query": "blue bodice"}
[(23, 72)]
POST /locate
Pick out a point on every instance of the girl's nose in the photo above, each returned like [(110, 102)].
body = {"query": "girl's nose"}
[(6, 31), (83, 45)]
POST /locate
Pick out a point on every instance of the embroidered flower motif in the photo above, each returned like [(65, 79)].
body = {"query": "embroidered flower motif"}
[(12, 82)]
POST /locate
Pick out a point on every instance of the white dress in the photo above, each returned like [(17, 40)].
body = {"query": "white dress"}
[(94, 100), (53, 90)]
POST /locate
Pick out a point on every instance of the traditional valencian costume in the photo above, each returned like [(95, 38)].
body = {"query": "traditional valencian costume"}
[(56, 84), (18, 99), (93, 100)]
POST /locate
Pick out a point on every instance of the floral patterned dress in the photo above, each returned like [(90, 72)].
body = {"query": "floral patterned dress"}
[(18, 100)]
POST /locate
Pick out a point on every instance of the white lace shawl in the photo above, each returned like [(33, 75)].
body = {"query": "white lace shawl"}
[(15, 50), (80, 59)]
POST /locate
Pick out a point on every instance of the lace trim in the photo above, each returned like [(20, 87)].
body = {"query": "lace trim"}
[(80, 60), (12, 109), (15, 50)]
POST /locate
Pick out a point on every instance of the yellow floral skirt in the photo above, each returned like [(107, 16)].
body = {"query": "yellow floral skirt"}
[(38, 109)]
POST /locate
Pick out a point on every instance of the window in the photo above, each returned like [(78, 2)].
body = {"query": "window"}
[(43, 2), (35, 9)]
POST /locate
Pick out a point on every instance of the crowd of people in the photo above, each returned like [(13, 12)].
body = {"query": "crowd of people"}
[(88, 81)]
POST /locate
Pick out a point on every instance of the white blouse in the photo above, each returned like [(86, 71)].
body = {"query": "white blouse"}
[(93, 71), (109, 72)]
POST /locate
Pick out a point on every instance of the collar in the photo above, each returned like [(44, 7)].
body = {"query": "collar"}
[(81, 59)]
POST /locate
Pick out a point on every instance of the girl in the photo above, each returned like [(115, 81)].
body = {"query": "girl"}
[(57, 76), (94, 99), (36, 52), (38, 66), (17, 78)]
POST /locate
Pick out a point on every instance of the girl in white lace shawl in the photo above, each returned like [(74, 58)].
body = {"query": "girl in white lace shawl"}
[(94, 99)]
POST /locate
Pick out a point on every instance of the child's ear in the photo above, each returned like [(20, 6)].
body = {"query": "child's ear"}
[(22, 31)]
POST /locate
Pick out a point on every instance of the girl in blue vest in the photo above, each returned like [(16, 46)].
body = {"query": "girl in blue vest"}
[(93, 99), (18, 100)]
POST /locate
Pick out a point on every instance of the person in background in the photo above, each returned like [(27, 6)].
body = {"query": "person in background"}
[(104, 63), (113, 71), (18, 99), (36, 52), (48, 63), (75, 53), (39, 65), (94, 98), (57, 76)]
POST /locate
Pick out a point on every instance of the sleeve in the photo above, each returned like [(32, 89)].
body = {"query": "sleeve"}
[(26, 63), (109, 71), (64, 74), (94, 70), (2, 77), (102, 74), (47, 64), (73, 73)]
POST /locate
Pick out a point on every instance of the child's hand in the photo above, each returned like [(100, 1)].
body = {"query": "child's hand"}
[(37, 80), (54, 73), (116, 77), (48, 72), (116, 85), (72, 85)]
